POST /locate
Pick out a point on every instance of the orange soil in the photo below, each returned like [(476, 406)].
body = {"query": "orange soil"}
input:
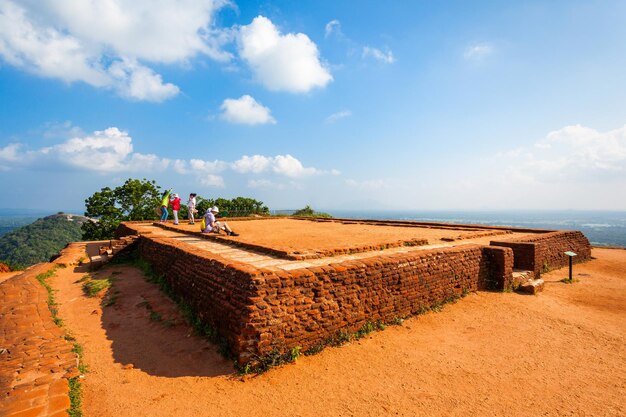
[(6, 275), (301, 236), (562, 352)]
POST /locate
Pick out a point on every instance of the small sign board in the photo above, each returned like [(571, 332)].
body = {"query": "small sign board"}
[(568, 253)]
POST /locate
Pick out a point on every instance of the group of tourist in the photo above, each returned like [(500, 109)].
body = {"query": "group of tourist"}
[(210, 223)]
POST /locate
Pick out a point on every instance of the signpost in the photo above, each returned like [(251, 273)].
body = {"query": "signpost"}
[(571, 256)]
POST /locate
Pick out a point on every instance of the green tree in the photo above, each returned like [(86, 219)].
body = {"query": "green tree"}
[(134, 200), (237, 207), (309, 212)]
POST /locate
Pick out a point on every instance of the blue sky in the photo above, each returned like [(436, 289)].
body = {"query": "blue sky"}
[(337, 104)]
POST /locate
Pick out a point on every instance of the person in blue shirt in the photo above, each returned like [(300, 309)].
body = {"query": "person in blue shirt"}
[(213, 226)]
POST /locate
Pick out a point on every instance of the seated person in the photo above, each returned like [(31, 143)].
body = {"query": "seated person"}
[(213, 226)]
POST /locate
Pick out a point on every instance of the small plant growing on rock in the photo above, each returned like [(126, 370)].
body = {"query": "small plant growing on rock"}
[(92, 287), (294, 353)]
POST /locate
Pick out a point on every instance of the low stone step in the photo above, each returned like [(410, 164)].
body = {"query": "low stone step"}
[(521, 276), (532, 286)]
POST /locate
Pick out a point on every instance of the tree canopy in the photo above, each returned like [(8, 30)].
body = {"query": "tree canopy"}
[(138, 199), (134, 200)]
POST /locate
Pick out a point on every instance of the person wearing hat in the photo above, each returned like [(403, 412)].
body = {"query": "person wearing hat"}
[(175, 202), (213, 226)]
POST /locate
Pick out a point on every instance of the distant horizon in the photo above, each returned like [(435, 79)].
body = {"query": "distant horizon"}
[(21, 210)]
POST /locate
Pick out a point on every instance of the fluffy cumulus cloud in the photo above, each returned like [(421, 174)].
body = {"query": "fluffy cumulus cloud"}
[(245, 110), (285, 165), (134, 81), (254, 164), (571, 153), (109, 43), (379, 55), (288, 62), (108, 150)]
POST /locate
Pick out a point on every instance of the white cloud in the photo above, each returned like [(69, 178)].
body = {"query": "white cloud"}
[(291, 167), (245, 110), (107, 43), (212, 180), (339, 115), (137, 82), (282, 62), (572, 153), (377, 54), (180, 166), (334, 26), (44, 50), (207, 166), (255, 164), (111, 151), (10, 152), (108, 150), (285, 165), (478, 52), (104, 150)]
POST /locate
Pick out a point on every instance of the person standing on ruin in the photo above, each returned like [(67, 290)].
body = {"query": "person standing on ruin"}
[(191, 206), (175, 202), (165, 198), (213, 226)]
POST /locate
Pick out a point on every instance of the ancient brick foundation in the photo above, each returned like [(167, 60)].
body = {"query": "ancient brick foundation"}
[(262, 311), (546, 251)]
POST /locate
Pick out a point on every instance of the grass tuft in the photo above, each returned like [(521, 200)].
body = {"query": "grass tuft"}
[(92, 287), (75, 393)]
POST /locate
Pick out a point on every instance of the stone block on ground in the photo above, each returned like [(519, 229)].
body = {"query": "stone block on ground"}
[(533, 286)]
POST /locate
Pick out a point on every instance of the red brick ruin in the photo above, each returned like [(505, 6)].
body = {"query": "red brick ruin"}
[(261, 311)]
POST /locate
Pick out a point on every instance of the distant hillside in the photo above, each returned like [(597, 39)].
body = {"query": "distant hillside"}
[(11, 223), (39, 241)]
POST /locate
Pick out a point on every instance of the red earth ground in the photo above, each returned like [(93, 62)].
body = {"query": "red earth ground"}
[(562, 352)]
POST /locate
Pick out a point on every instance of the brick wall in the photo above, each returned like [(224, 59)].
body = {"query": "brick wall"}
[(258, 310), (304, 307), (545, 251), (501, 261), (217, 290)]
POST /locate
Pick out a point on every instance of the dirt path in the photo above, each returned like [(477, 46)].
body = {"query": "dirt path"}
[(560, 353)]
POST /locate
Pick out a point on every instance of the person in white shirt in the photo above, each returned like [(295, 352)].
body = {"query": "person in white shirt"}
[(213, 226), (191, 206)]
